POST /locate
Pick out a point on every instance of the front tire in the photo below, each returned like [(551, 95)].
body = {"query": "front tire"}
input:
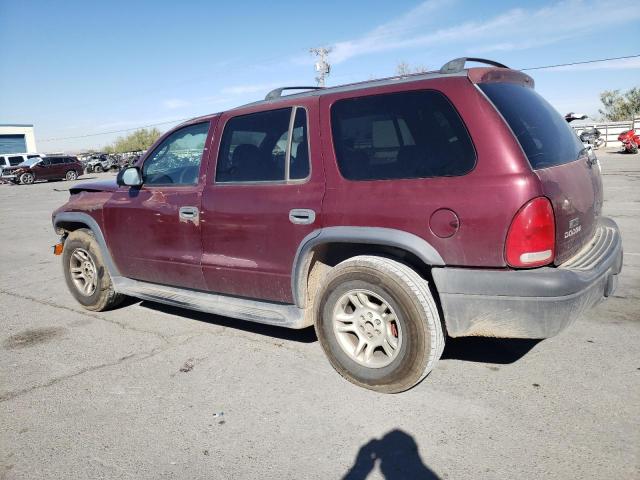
[(27, 178), (97, 169), (378, 324), (86, 274)]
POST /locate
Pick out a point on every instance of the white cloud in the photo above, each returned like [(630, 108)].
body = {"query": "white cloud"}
[(514, 29)]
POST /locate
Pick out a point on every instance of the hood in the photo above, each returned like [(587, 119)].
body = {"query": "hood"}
[(99, 186)]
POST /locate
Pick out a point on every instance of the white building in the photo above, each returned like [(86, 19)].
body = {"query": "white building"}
[(17, 138)]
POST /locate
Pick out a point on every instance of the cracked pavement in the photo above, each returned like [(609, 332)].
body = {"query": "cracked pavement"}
[(102, 395)]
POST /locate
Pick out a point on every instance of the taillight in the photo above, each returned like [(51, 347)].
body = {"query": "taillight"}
[(531, 239)]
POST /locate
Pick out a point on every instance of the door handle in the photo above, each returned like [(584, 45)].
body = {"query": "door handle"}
[(190, 214), (302, 216)]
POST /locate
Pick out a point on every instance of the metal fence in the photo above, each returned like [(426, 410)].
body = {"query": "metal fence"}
[(609, 130)]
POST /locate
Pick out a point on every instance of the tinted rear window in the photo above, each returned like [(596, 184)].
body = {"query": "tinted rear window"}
[(545, 136), (401, 135)]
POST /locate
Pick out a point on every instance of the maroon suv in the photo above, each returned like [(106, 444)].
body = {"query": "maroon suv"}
[(48, 168), (386, 213)]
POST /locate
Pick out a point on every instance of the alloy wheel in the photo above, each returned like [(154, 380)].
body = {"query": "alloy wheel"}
[(83, 272), (367, 328)]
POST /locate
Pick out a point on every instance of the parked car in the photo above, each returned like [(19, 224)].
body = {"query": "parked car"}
[(13, 160), (48, 168), (386, 213), (102, 163)]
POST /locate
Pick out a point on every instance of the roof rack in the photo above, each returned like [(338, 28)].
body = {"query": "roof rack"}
[(457, 64), (277, 93)]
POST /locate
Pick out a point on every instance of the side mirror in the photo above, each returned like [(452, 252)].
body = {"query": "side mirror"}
[(130, 177)]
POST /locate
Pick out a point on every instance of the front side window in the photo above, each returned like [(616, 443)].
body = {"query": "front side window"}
[(177, 159), (400, 135), (261, 147)]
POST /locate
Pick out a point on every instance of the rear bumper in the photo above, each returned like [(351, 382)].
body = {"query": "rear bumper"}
[(536, 303)]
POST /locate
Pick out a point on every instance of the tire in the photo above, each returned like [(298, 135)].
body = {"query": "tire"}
[(27, 178), (81, 247), (411, 322), (97, 169), (71, 175)]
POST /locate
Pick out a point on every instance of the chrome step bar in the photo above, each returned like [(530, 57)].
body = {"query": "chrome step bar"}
[(282, 315)]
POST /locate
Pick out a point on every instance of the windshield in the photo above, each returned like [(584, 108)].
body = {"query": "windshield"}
[(546, 138), (30, 162)]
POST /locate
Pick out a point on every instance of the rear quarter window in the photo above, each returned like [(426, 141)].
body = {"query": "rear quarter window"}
[(544, 135), (401, 135)]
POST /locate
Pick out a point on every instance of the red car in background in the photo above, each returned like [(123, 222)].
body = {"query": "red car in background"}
[(57, 167)]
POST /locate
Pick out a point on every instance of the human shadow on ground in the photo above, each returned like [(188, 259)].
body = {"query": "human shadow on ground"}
[(397, 456)]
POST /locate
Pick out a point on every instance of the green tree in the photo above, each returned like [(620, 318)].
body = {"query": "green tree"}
[(620, 106), (138, 140)]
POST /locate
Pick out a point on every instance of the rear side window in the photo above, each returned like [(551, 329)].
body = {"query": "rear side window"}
[(400, 135), (545, 136), (264, 147), (13, 161)]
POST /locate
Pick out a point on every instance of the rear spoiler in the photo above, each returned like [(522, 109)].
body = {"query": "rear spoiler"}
[(497, 72)]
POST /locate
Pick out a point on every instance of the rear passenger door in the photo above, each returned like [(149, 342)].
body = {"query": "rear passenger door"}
[(57, 168), (262, 198)]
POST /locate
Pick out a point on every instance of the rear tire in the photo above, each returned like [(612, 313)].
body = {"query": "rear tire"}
[(392, 312), (86, 274), (71, 175)]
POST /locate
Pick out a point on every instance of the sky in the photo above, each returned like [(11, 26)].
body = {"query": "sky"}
[(75, 68)]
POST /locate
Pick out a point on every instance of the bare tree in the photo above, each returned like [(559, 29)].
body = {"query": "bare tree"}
[(403, 69)]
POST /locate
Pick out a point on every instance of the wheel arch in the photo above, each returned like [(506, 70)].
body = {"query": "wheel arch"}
[(325, 247), (70, 221)]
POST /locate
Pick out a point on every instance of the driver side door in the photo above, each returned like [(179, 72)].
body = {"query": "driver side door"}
[(154, 231)]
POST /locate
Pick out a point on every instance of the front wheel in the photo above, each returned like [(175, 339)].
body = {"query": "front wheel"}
[(97, 169), (378, 324), (27, 178), (86, 274), (71, 175)]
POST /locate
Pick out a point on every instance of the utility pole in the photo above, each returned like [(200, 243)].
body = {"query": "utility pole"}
[(322, 65)]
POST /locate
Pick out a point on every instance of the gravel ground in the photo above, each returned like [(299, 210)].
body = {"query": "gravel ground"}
[(148, 391)]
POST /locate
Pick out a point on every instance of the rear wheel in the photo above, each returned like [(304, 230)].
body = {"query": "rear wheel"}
[(86, 274), (71, 175), (378, 324), (27, 178)]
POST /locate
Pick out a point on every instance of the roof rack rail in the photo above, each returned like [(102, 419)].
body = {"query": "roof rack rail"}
[(457, 64), (277, 93)]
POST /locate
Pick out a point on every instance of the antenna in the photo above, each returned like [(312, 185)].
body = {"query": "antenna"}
[(322, 65)]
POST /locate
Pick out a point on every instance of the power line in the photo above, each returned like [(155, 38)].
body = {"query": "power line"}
[(117, 131), (187, 118), (579, 63)]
